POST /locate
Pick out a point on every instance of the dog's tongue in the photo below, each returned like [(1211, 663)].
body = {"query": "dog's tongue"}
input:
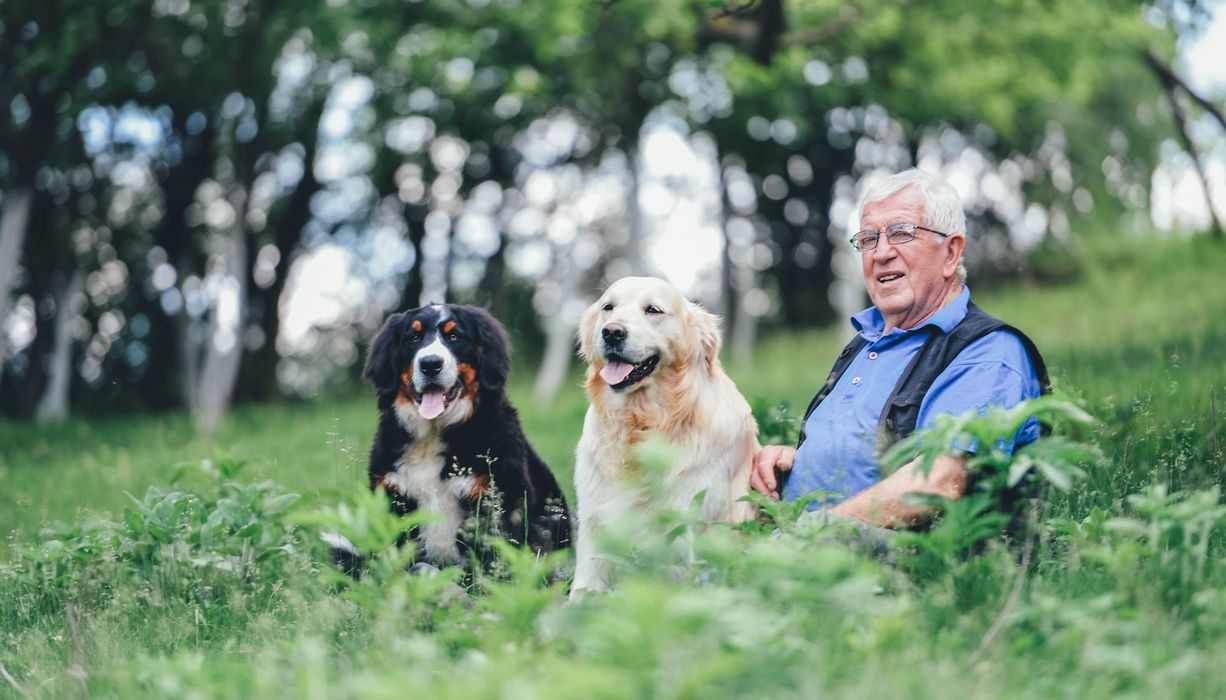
[(616, 372), (432, 403)]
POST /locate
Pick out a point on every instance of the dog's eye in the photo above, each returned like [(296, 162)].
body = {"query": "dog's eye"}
[(607, 307), (453, 336), (653, 309), (415, 337)]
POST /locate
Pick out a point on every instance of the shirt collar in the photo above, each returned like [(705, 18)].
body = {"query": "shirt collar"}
[(871, 324)]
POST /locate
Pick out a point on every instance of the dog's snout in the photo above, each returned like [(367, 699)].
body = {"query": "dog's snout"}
[(430, 365), (613, 333)]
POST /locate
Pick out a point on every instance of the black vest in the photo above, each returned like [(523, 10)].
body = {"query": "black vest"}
[(901, 410)]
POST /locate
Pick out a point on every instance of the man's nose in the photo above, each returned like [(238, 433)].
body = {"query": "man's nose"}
[(430, 365), (884, 250), (613, 333)]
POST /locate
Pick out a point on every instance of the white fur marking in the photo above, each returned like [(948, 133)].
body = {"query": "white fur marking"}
[(446, 377), (336, 540), (417, 477)]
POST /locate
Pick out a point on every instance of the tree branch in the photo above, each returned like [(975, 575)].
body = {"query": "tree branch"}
[(1168, 77), (739, 9), (756, 26), (848, 16), (1170, 84)]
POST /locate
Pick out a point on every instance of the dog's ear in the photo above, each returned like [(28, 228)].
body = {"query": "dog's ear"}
[(587, 331), (383, 358), (703, 327), (493, 346)]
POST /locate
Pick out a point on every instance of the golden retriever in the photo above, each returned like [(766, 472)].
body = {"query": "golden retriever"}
[(653, 368)]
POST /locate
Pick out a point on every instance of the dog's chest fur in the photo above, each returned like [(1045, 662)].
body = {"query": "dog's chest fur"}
[(419, 475)]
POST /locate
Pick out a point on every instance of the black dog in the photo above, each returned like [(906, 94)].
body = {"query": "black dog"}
[(449, 442)]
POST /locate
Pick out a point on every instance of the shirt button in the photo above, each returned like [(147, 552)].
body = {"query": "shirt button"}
[(872, 355), (855, 380)]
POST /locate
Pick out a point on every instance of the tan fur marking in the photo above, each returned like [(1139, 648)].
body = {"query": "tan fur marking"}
[(448, 326), (468, 375), (417, 326), (406, 383), (480, 485)]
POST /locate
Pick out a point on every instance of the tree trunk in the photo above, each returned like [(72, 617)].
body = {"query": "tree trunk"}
[(414, 285), (223, 349), (726, 307), (189, 356), (489, 290), (555, 362), (745, 330), (260, 367), (560, 335), (53, 406), (636, 240), (847, 291), (13, 224), (171, 357)]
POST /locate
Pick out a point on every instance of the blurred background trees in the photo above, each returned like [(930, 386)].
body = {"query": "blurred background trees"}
[(203, 202)]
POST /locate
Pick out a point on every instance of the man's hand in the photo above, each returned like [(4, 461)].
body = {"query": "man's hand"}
[(769, 459)]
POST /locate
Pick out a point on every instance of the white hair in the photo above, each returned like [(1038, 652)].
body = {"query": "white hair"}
[(942, 205)]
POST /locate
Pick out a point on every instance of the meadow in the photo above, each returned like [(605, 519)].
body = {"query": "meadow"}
[(144, 561)]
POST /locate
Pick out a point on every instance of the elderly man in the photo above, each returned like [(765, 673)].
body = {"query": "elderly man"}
[(921, 350)]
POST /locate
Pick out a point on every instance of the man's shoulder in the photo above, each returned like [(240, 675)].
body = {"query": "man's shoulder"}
[(1002, 347)]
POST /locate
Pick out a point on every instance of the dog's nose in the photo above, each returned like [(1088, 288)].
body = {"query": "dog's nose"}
[(430, 365), (613, 333)]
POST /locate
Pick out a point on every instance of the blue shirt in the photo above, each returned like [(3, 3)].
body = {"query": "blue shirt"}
[(838, 455)]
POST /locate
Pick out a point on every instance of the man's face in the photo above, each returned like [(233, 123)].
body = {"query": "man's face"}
[(908, 282)]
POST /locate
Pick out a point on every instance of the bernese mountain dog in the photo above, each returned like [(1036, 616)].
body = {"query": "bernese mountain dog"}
[(449, 442)]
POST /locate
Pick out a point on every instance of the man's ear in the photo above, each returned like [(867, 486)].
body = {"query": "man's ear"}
[(383, 357), (587, 331), (703, 327), (492, 344), (957, 248)]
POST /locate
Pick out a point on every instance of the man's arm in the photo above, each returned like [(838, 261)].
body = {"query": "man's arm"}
[(884, 504)]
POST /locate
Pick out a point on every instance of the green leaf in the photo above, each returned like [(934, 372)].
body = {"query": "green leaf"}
[(234, 514), (135, 521), (1054, 475), (251, 532), (280, 504)]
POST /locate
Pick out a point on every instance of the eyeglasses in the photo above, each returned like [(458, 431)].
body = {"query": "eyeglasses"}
[(896, 234)]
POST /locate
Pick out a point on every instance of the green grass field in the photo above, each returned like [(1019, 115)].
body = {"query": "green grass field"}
[(230, 598)]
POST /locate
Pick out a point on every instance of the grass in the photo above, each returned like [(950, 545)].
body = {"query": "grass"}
[(1123, 598)]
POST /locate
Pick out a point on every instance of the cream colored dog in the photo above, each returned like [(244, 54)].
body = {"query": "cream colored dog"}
[(653, 368)]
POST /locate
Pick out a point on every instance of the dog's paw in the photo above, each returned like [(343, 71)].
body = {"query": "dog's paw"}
[(422, 568), (347, 557)]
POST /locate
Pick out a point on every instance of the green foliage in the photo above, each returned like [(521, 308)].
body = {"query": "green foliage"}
[(777, 424), (1123, 594), (198, 546), (1056, 460), (965, 524)]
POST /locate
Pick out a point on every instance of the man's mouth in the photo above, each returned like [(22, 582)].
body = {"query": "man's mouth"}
[(888, 277), (621, 374), (434, 399)]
